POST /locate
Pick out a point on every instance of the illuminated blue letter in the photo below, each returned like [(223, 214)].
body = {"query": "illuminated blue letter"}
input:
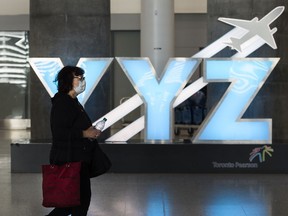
[(157, 93), (224, 123), (47, 68)]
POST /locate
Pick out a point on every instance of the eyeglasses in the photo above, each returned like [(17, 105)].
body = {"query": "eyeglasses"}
[(81, 78)]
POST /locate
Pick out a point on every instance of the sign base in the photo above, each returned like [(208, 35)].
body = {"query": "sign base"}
[(174, 157)]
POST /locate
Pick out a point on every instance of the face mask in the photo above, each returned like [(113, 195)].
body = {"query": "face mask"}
[(81, 87)]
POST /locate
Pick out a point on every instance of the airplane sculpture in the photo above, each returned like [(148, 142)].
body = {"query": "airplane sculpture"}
[(254, 27)]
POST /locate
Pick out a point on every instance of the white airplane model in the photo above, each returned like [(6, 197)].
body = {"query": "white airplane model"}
[(255, 27)]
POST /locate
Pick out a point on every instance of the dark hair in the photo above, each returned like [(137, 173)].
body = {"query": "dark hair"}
[(65, 77)]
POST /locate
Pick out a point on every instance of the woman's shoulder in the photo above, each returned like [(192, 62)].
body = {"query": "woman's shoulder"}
[(62, 99)]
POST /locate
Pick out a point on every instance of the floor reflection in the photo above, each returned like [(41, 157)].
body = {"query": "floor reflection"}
[(153, 194), (236, 203), (158, 204)]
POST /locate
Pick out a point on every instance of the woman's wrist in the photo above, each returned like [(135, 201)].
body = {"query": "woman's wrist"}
[(84, 133)]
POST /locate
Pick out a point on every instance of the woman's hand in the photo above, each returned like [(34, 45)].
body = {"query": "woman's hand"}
[(91, 133)]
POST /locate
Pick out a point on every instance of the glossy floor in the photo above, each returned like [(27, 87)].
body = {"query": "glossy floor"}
[(152, 194)]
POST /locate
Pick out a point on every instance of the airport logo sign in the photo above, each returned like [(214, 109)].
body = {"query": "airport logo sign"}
[(224, 124), (261, 153)]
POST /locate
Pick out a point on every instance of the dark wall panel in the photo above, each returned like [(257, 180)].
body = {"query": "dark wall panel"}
[(69, 29)]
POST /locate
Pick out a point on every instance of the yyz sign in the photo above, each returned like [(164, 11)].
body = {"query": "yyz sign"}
[(161, 94)]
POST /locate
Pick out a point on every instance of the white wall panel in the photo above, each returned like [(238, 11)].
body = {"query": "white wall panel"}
[(190, 6), (125, 6), (14, 7), (181, 6), (20, 7)]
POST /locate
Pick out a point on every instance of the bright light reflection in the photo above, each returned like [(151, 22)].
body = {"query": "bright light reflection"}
[(227, 204), (14, 51), (158, 204)]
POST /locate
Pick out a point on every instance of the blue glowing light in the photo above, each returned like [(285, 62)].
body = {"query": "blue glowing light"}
[(158, 93), (47, 68), (224, 123), (94, 70)]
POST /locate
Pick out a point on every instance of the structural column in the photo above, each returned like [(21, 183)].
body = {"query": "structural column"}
[(157, 32)]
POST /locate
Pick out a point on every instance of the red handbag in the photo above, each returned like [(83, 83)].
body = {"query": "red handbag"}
[(61, 185)]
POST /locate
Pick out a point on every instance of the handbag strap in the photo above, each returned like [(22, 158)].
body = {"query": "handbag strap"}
[(69, 152)]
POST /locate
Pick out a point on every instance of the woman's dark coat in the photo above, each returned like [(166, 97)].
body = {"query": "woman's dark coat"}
[(68, 120)]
